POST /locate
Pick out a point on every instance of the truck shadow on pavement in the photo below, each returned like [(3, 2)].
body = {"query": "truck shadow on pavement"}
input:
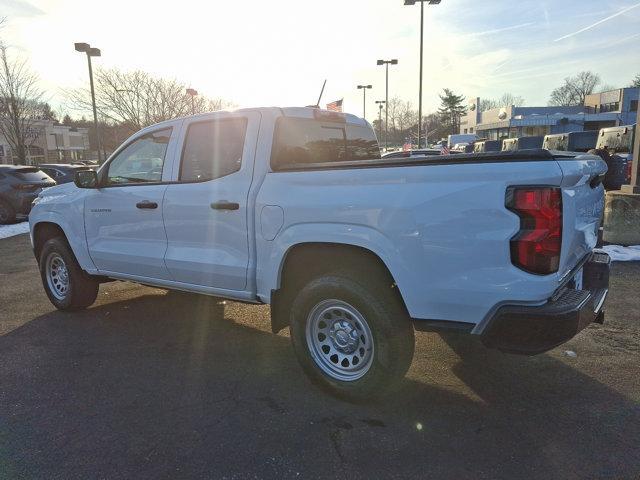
[(178, 386)]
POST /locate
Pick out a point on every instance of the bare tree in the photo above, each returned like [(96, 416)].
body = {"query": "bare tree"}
[(506, 100), (575, 89), (636, 82), (139, 99), (20, 103)]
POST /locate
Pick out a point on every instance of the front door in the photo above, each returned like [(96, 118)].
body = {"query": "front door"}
[(206, 210), (123, 218)]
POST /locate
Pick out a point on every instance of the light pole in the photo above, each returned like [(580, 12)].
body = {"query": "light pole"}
[(192, 93), (386, 63), (364, 99), (413, 2), (380, 104), (91, 52)]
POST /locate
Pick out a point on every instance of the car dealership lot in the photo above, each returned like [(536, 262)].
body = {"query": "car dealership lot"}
[(166, 385)]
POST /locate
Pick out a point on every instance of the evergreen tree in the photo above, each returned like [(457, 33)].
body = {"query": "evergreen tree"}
[(451, 109)]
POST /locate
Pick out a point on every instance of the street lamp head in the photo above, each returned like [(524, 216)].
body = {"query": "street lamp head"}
[(413, 2), (394, 61), (82, 47), (379, 62), (368, 86), (93, 52), (380, 102)]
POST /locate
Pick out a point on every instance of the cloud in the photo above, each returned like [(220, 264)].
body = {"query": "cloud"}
[(593, 25), (499, 30)]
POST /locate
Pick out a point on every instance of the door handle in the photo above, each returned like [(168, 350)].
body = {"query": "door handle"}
[(225, 205), (147, 204)]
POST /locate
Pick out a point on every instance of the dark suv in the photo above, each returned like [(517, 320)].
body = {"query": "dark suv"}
[(19, 186)]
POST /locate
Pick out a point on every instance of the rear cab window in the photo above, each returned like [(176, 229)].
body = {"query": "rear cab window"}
[(301, 141)]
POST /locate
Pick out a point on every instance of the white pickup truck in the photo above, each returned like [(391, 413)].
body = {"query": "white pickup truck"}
[(295, 208)]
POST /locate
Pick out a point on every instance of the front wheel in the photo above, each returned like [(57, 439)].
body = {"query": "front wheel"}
[(354, 340), (66, 284)]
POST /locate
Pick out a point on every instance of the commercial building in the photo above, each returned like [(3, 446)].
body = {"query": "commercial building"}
[(600, 110), (50, 142)]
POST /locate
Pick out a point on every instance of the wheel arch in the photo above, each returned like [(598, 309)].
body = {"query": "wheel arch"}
[(44, 231), (302, 261)]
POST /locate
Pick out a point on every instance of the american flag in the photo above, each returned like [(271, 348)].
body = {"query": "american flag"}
[(335, 106), (445, 150)]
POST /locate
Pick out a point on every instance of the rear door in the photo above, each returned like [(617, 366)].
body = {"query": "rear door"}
[(206, 211), (123, 219)]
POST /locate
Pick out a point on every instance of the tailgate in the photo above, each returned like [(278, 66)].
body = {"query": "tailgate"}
[(582, 207)]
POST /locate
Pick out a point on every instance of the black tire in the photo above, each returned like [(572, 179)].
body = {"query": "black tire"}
[(7, 213), (82, 289), (391, 329)]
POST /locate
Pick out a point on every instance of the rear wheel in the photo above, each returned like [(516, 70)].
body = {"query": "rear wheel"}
[(66, 284), (355, 341), (7, 213)]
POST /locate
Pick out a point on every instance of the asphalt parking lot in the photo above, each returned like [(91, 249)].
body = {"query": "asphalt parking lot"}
[(150, 384)]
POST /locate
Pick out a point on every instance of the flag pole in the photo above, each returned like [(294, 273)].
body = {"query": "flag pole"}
[(321, 92)]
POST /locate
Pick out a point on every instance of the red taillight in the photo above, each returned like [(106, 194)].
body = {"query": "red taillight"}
[(536, 247)]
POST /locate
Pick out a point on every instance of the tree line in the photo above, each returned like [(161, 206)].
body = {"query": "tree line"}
[(125, 101), (129, 101)]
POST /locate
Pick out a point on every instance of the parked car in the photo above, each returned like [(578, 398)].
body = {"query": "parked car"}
[(459, 148), (487, 146), (615, 146), (412, 153), (19, 186), (571, 142), (294, 207), (62, 172), (460, 138), (521, 143)]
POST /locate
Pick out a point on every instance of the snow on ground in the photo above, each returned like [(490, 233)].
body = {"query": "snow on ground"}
[(14, 229), (623, 254)]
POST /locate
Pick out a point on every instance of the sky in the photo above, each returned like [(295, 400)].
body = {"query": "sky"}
[(279, 52)]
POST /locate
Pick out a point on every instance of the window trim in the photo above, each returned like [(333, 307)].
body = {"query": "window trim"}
[(103, 172), (211, 120)]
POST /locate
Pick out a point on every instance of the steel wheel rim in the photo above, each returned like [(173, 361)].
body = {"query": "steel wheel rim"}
[(57, 276), (339, 340)]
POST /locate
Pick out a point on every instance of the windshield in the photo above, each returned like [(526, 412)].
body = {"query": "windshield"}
[(31, 175)]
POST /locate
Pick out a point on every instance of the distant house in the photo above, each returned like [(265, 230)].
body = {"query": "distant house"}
[(50, 142), (600, 110)]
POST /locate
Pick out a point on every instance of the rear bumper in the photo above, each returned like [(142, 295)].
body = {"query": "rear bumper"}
[(532, 330)]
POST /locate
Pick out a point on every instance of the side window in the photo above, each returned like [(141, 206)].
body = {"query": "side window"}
[(141, 161), (213, 149)]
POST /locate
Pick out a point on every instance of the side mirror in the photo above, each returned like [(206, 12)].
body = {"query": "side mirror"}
[(86, 179)]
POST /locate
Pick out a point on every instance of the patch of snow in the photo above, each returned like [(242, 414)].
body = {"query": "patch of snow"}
[(623, 254), (7, 231)]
